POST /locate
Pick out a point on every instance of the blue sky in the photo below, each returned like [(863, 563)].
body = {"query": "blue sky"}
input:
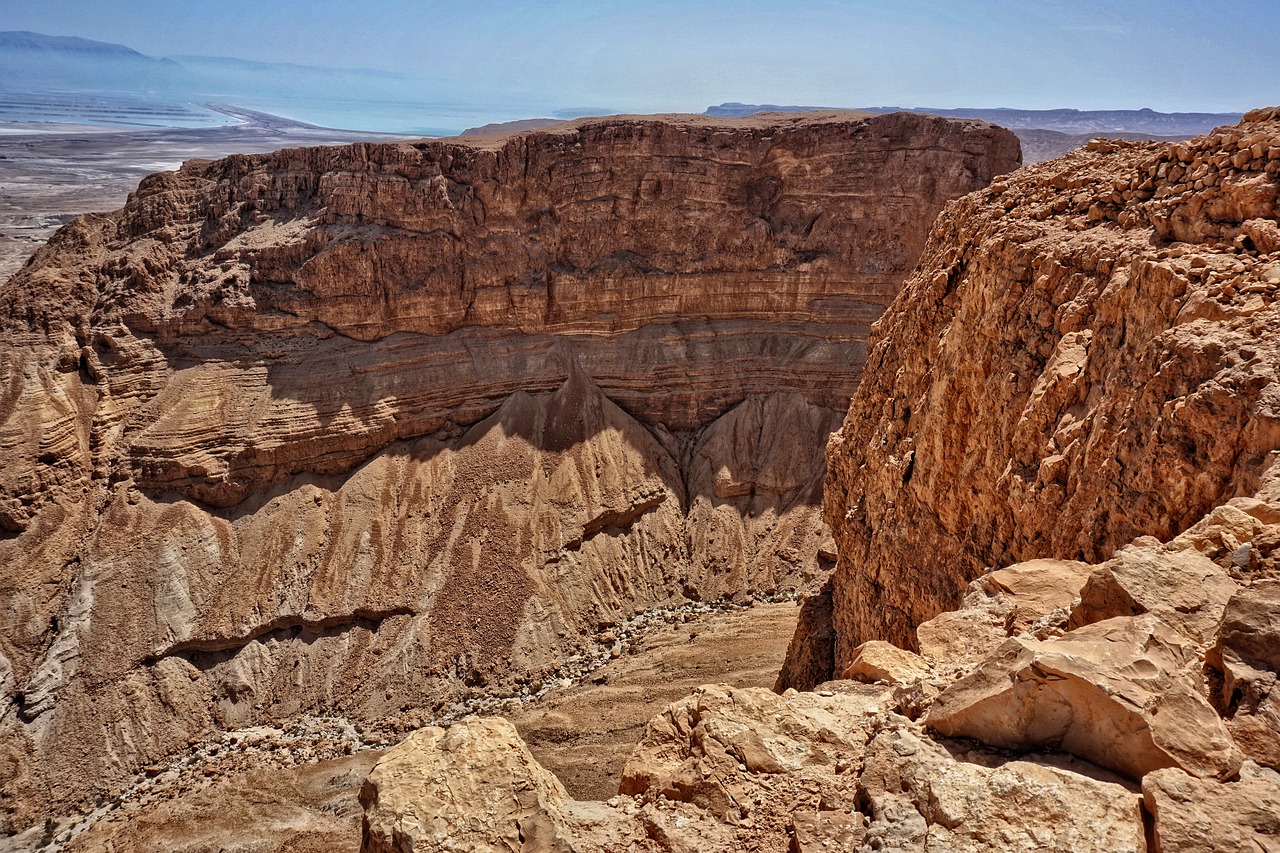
[(669, 55)]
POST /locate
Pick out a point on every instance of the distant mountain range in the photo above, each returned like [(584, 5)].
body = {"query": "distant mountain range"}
[(34, 63), (1144, 121), (66, 78)]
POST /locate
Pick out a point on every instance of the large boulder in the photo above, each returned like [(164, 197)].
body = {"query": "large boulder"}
[(1002, 603), (1186, 589), (839, 770), (473, 787), (1194, 815), (1246, 657), (1119, 693)]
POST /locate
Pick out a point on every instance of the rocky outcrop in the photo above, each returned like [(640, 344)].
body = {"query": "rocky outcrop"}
[(1083, 371), (1093, 737), (1198, 814), (1085, 354), (746, 769), (362, 430)]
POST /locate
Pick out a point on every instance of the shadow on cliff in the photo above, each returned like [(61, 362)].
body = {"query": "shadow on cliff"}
[(318, 409)]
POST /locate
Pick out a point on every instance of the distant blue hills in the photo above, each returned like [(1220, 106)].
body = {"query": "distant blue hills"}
[(58, 78), (1143, 121)]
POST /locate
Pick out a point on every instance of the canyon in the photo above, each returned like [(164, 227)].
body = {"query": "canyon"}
[(373, 431), (1054, 623), (428, 469)]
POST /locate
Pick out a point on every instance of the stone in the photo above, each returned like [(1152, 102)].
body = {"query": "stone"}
[(1183, 588), (1000, 604), (1038, 588), (365, 429), (877, 661), (810, 655), (1191, 814), (1119, 693), (986, 803), (1246, 657), (1047, 387), (452, 790)]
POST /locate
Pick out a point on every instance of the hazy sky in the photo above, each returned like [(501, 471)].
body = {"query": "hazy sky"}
[(671, 55)]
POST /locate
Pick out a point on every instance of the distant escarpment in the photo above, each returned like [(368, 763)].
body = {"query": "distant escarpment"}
[(1088, 353), (353, 431)]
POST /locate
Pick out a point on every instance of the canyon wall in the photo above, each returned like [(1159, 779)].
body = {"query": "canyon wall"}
[(1059, 482), (360, 431), (1086, 354)]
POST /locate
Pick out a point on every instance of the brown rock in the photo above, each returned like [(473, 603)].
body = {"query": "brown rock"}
[(842, 770), (357, 430), (877, 661), (985, 803), (1001, 604), (810, 657), (1050, 387), (1246, 656), (1038, 588), (453, 789), (1119, 693), (1205, 816)]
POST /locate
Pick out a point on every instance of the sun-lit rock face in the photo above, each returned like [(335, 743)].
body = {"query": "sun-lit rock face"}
[(355, 430), (1087, 353)]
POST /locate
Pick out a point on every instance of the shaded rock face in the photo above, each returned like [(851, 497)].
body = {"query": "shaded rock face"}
[(1087, 353), (356, 430)]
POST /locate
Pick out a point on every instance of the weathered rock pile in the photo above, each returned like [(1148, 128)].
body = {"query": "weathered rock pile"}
[(361, 431), (1056, 611)]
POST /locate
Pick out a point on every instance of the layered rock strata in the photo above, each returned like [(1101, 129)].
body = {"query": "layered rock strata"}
[(355, 430), (1086, 354)]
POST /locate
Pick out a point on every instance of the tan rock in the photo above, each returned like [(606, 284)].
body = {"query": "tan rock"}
[(987, 803), (354, 430), (877, 661), (1051, 386), (1201, 815), (1038, 587), (1119, 693), (476, 787), (1001, 604), (711, 747), (1183, 588), (1247, 658)]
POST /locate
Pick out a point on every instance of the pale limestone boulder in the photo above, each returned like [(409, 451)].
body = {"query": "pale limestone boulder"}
[(842, 772), (965, 635), (1247, 657), (1185, 589), (1001, 604), (1038, 587), (878, 661), (710, 747), (1119, 693), (985, 803), (476, 787), (1203, 816)]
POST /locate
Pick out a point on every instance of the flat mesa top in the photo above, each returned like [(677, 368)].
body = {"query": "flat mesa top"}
[(759, 120)]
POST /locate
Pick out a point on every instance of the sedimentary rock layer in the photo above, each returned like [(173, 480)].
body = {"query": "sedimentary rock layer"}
[(353, 430), (1087, 353)]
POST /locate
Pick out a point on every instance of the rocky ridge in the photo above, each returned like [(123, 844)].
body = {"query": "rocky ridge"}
[(1084, 356), (1056, 497), (357, 431)]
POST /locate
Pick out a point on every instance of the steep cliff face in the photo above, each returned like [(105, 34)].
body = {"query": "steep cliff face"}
[(1087, 353), (356, 430)]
